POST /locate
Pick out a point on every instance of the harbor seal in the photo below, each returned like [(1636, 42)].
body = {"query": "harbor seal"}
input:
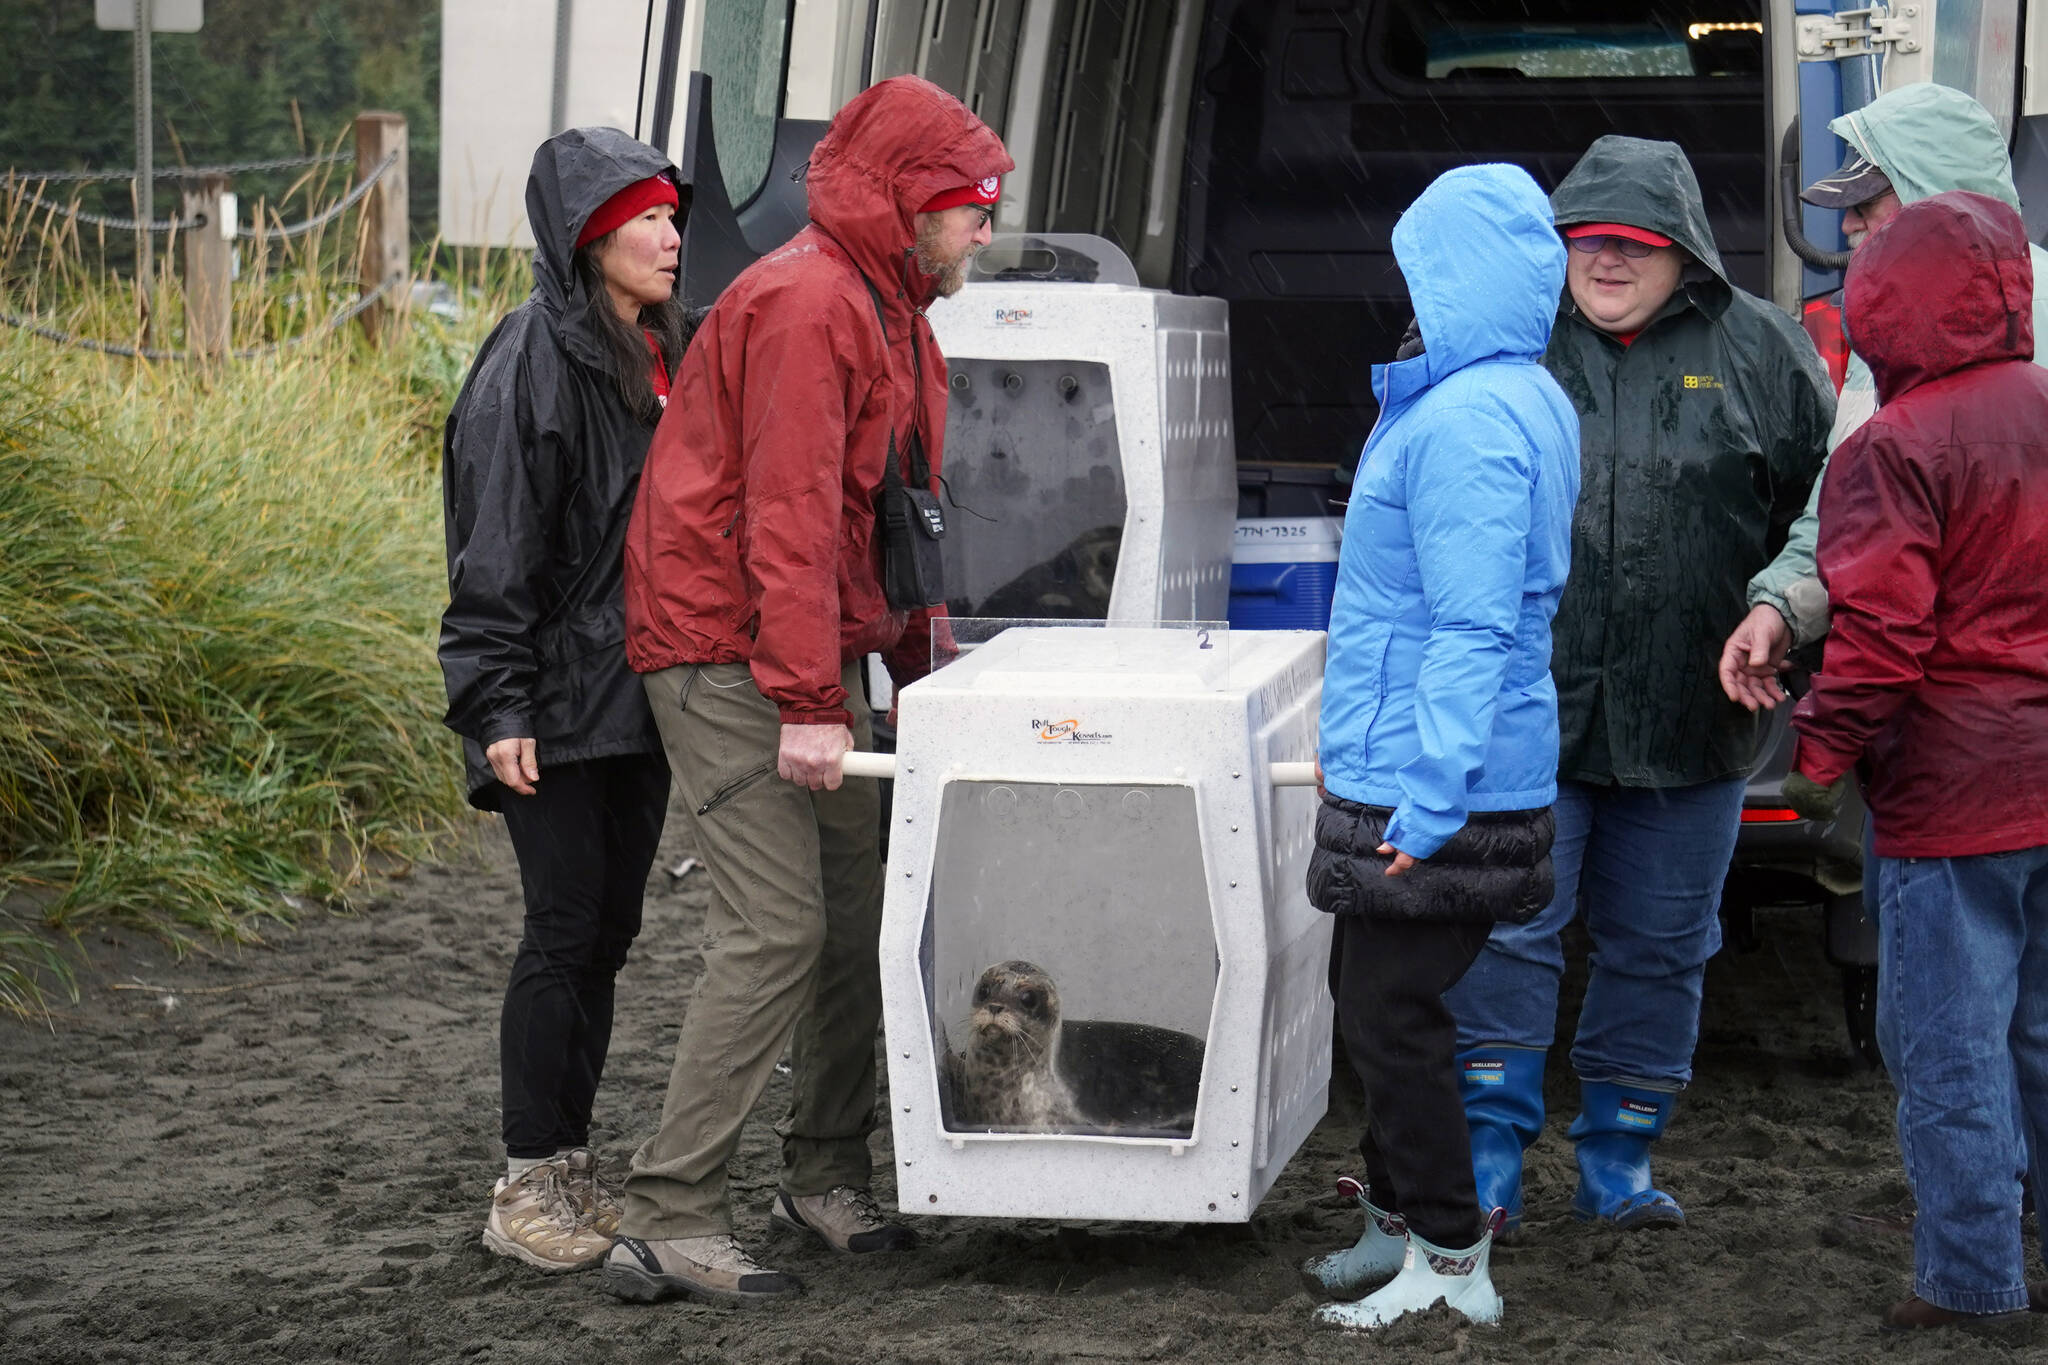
[(1026, 1068), (1005, 1077)]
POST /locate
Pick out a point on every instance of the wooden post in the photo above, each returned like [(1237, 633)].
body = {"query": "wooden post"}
[(145, 167), (209, 262), (386, 231)]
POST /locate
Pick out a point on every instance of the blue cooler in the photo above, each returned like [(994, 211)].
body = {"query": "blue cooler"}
[(1283, 572)]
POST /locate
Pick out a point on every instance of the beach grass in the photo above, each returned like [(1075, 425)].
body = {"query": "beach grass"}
[(219, 596)]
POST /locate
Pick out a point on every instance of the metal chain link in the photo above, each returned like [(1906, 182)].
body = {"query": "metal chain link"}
[(340, 319), (102, 220), (320, 219), (342, 206), (282, 163)]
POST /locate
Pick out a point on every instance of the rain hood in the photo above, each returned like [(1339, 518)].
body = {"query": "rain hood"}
[(1928, 139), (1644, 184), (1947, 284), (1483, 266), (574, 173), (888, 151)]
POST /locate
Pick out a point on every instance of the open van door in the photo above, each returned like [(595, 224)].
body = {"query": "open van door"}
[(723, 238), (750, 195)]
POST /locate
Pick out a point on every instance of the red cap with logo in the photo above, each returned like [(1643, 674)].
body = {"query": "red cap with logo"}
[(984, 192), (628, 203)]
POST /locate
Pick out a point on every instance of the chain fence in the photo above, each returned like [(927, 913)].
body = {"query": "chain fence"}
[(341, 206), (282, 163), (79, 215), (341, 319), (318, 220)]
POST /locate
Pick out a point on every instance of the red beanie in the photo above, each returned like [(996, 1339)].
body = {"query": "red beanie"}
[(984, 192), (628, 203)]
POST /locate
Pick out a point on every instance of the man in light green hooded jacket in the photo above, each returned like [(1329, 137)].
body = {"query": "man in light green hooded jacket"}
[(1918, 140)]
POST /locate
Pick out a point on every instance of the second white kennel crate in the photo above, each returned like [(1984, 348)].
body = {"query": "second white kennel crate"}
[(1099, 802), (1089, 423)]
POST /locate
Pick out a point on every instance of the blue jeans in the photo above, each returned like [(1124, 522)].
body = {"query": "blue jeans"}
[(1962, 1018), (1646, 866)]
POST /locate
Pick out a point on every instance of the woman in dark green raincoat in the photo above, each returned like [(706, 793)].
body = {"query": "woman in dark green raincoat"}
[(1703, 415)]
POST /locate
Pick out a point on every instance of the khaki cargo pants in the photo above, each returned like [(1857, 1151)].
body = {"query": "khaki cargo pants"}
[(789, 949)]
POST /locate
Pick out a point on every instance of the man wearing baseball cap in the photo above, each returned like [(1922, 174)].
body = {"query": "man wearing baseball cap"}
[(1703, 415), (1904, 146), (756, 582)]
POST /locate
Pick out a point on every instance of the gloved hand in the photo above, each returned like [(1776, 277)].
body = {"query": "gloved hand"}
[(1811, 799)]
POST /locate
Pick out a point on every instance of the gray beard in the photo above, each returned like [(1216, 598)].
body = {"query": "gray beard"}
[(947, 279)]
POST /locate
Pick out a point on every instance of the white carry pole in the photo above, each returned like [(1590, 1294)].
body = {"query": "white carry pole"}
[(861, 763)]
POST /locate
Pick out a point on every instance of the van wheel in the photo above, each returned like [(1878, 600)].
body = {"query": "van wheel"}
[(1859, 1012)]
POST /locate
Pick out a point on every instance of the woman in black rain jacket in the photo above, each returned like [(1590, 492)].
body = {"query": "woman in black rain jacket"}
[(540, 463)]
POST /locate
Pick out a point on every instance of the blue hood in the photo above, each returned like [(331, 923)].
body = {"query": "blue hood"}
[(1484, 266)]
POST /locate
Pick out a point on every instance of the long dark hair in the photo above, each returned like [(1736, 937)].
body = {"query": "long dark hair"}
[(626, 347)]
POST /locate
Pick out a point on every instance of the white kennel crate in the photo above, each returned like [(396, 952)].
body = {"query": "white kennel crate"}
[(1101, 801), (1092, 421)]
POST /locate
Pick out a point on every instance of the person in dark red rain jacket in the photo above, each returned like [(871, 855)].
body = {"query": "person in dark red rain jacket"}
[(755, 584), (1934, 691)]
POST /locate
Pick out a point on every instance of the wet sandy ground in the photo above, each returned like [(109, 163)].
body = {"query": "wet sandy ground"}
[(284, 1154)]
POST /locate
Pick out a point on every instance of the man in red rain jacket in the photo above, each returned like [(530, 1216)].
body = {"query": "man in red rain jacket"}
[(1935, 689), (753, 591)]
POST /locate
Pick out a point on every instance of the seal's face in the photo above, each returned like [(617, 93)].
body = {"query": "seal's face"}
[(1016, 1009)]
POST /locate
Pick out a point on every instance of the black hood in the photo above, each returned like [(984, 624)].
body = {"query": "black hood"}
[(574, 172), (1641, 183)]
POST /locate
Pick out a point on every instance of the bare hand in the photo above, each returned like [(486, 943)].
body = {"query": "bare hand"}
[(1754, 656), (810, 755), (516, 763), (1402, 862)]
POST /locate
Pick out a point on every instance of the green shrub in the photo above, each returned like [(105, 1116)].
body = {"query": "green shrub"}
[(218, 605)]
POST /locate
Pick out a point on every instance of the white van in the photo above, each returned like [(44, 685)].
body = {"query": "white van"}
[(1259, 151), (1253, 150)]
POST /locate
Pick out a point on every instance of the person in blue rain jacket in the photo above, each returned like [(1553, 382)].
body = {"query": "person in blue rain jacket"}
[(1439, 719)]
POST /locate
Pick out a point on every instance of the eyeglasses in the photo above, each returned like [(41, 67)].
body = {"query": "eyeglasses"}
[(1627, 246)]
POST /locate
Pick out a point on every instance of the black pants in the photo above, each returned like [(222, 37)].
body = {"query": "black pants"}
[(585, 841), (1388, 978)]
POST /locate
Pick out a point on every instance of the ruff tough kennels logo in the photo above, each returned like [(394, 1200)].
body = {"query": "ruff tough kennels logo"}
[(1066, 731)]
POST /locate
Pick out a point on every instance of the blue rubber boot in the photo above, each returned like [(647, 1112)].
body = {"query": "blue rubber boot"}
[(1613, 1132), (1503, 1092)]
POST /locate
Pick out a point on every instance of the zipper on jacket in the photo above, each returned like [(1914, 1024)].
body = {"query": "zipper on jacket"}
[(734, 788), (727, 532)]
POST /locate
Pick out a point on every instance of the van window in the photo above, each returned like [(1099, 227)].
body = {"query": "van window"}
[(1571, 40), (1973, 52), (746, 43)]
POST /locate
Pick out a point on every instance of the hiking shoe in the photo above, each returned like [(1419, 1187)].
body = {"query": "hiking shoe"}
[(596, 1199), (534, 1219), (713, 1268), (845, 1219)]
